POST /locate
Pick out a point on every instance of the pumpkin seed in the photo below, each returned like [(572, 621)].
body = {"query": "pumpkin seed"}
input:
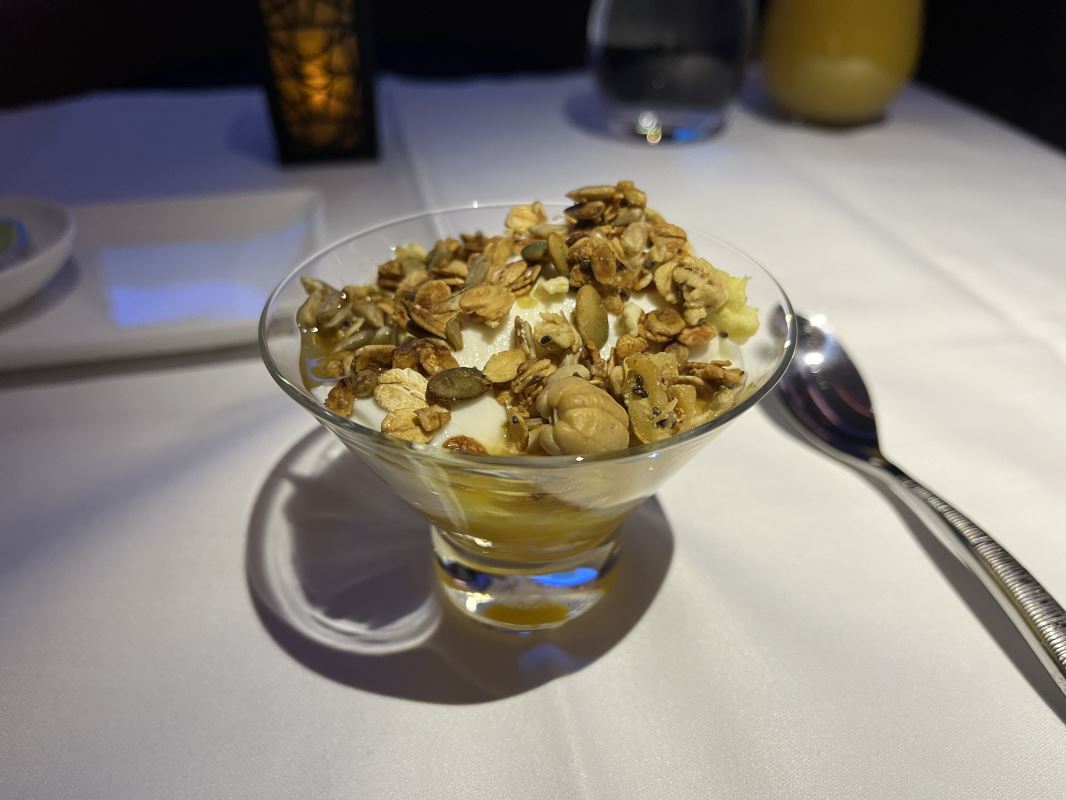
[(535, 251), (559, 253), (458, 383), (590, 317)]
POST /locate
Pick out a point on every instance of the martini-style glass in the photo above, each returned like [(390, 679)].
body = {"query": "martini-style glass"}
[(521, 542)]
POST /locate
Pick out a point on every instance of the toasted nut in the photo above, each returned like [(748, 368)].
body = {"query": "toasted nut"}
[(374, 356), (628, 345), (613, 303), (584, 419), (702, 287), (631, 314), (465, 444), (402, 423), (364, 381), (596, 256), (635, 239), (432, 355), (436, 358), (341, 398), (579, 276), (517, 429), (664, 281), (678, 351), (454, 385), (700, 334), (661, 325), (432, 418), (406, 355), (590, 317), (555, 335), (503, 367), (642, 280), (715, 373)]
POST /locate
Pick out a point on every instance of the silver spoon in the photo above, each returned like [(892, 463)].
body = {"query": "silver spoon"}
[(827, 399)]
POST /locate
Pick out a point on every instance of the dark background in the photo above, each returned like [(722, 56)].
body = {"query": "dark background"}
[(1008, 58)]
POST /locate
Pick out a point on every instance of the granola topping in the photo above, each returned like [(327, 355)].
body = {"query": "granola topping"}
[(585, 334)]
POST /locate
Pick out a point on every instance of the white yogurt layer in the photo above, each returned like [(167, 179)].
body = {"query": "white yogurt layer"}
[(483, 418)]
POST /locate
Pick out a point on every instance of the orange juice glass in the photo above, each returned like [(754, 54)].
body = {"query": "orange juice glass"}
[(839, 62)]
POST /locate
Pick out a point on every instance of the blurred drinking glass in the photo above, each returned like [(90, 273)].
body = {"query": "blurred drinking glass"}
[(668, 69), (839, 62)]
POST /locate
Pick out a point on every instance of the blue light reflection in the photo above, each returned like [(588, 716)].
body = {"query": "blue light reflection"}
[(574, 577)]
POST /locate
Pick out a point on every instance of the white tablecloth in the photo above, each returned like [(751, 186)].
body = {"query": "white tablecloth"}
[(786, 632)]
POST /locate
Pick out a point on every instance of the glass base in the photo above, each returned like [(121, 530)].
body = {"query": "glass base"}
[(657, 125), (518, 596)]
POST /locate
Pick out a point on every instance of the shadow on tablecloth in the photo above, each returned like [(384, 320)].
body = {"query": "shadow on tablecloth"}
[(341, 576)]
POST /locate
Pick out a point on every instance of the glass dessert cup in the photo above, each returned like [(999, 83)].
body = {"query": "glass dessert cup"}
[(520, 542)]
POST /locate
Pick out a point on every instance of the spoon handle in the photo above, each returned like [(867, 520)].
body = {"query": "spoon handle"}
[(1034, 612)]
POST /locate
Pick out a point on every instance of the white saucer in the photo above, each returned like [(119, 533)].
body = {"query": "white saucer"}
[(51, 233), (162, 275)]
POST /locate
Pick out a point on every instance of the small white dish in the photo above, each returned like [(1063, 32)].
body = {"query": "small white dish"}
[(50, 229), (167, 275)]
